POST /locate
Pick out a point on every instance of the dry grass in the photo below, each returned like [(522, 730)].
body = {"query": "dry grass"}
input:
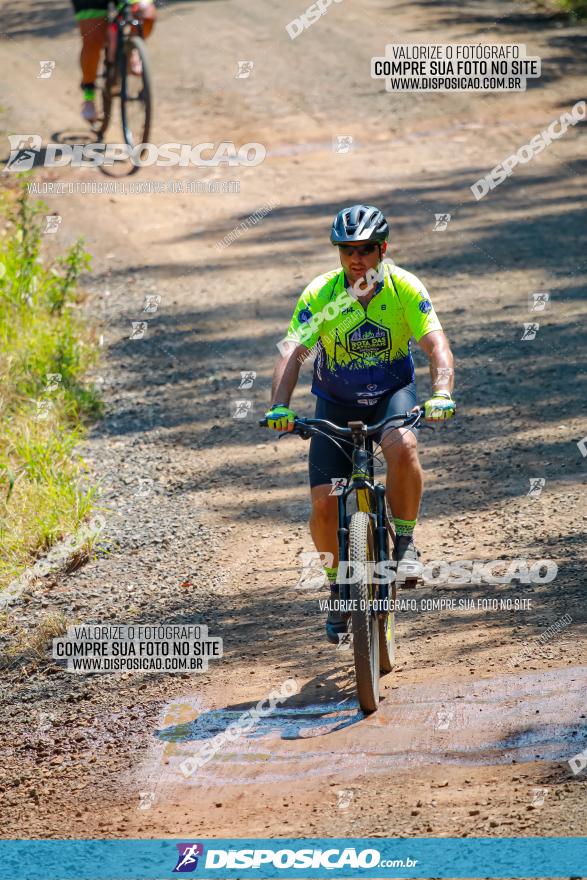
[(31, 646)]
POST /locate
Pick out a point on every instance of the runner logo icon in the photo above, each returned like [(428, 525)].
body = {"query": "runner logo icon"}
[(24, 149), (187, 860)]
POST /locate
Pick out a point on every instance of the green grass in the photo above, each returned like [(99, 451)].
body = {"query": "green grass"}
[(45, 405), (577, 8)]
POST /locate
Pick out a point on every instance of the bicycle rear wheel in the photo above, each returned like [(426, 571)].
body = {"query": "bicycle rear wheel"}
[(136, 101), (364, 621)]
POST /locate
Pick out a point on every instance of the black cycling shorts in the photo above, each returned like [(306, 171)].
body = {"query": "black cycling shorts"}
[(90, 8), (326, 461)]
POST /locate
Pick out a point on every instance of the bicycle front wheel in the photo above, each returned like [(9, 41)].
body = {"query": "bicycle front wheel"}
[(364, 621), (136, 101)]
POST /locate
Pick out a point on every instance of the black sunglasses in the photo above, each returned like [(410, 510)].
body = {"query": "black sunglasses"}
[(363, 250)]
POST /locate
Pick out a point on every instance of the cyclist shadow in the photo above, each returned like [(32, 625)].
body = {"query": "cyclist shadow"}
[(319, 714), (73, 137), (299, 717)]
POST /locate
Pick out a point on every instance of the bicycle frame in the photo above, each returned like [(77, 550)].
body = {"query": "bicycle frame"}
[(370, 499), (121, 13), (121, 20), (370, 495), (364, 537)]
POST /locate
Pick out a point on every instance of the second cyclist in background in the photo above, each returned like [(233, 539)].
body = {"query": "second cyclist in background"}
[(92, 18)]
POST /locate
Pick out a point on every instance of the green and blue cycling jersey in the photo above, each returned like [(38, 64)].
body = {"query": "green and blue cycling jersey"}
[(362, 354)]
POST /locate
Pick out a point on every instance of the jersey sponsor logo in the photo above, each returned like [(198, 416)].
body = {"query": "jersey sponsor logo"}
[(425, 306), (304, 316), (368, 339)]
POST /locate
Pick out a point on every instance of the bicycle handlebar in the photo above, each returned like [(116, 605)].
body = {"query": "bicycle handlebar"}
[(406, 417)]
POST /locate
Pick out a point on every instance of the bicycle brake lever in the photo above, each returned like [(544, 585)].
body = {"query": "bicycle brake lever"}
[(299, 433)]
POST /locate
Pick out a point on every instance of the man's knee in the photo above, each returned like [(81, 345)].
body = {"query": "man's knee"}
[(324, 505), (400, 446)]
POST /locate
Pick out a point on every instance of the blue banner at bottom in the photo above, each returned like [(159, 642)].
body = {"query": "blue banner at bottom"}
[(526, 857)]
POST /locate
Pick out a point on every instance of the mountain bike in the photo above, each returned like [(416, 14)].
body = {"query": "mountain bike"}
[(365, 534), (124, 38)]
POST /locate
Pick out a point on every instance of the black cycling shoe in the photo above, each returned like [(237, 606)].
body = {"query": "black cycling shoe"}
[(407, 556), (336, 623)]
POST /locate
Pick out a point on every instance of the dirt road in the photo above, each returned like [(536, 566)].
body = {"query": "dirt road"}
[(207, 513)]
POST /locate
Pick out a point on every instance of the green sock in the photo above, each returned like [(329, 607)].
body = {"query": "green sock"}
[(89, 93), (331, 575), (404, 526)]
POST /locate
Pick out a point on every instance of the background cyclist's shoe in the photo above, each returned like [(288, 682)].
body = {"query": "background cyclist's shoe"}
[(336, 625), (89, 111), (407, 556)]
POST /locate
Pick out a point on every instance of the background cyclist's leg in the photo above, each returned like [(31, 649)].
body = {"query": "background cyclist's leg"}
[(93, 33), (149, 12), (405, 479)]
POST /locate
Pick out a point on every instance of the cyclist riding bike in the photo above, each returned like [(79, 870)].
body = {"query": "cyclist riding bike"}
[(360, 319), (92, 18)]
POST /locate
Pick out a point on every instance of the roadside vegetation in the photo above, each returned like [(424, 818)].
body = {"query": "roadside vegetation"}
[(576, 9), (46, 349)]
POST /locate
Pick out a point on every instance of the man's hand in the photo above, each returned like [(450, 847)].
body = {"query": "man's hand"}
[(280, 418), (439, 407)]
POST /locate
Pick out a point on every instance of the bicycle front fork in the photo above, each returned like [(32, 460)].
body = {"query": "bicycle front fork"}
[(381, 541), (343, 543)]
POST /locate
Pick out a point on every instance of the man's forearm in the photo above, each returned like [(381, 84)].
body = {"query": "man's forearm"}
[(442, 369), (285, 377), (437, 349)]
